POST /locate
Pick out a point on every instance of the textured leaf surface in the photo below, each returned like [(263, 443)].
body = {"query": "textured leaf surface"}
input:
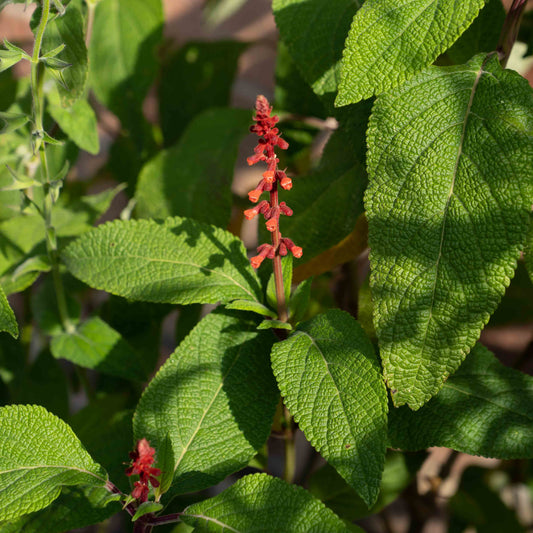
[(122, 51), (260, 503), (331, 381), (39, 454), (76, 507), (448, 205), (193, 178), (8, 322), (215, 399), (209, 69), (94, 344), (315, 32), (176, 261), (391, 40), (484, 409)]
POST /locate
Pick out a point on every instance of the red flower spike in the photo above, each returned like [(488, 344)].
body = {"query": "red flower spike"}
[(273, 178), (142, 460)]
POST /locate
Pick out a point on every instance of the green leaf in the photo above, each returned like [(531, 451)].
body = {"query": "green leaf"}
[(193, 178), (484, 409), (299, 304), (328, 202), (76, 507), (96, 345), (8, 58), (8, 322), (482, 35), (39, 454), (330, 488), (448, 208), (69, 29), (331, 381), (391, 40), (263, 503), (12, 121), (78, 122), (315, 32), (145, 508), (209, 69), (274, 324), (122, 52), (286, 266), (175, 261), (214, 399), (251, 305)]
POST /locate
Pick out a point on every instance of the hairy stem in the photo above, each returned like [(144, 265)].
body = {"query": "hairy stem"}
[(278, 271), (510, 30), (37, 76)]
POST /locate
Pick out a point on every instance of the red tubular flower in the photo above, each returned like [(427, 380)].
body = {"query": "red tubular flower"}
[(269, 139), (142, 460)]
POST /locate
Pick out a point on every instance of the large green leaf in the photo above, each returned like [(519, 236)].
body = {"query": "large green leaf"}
[(213, 402), (331, 381), (175, 261), (193, 178), (328, 202), (391, 40), (76, 507), (69, 29), (39, 454), (122, 52), (259, 503), (315, 31), (450, 192), (209, 70), (94, 344), (484, 409), (78, 122), (8, 322)]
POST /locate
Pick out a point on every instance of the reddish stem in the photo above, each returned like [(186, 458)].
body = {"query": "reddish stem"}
[(278, 271), (510, 29)]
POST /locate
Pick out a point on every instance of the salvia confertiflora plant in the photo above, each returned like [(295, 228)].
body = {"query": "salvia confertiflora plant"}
[(310, 389)]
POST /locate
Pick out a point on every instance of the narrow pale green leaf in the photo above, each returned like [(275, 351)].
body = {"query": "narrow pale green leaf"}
[(8, 322), (96, 345), (315, 33), (274, 324), (75, 508), (448, 203), (69, 29), (122, 51), (217, 11), (209, 69), (214, 399), (263, 503), (39, 454), (331, 381), (78, 122), (193, 178), (251, 305), (176, 261), (484, 409), (9, 58), (145, 508), (391, 40)]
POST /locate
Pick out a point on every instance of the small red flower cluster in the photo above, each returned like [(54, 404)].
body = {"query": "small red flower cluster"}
[(265, 128), (143, 459)]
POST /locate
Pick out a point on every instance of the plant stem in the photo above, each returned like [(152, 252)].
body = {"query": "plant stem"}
[(38, 100), (278, 271), (510, 30), (290, 449)]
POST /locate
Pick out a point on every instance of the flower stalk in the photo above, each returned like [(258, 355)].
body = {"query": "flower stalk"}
[(273, 177)]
